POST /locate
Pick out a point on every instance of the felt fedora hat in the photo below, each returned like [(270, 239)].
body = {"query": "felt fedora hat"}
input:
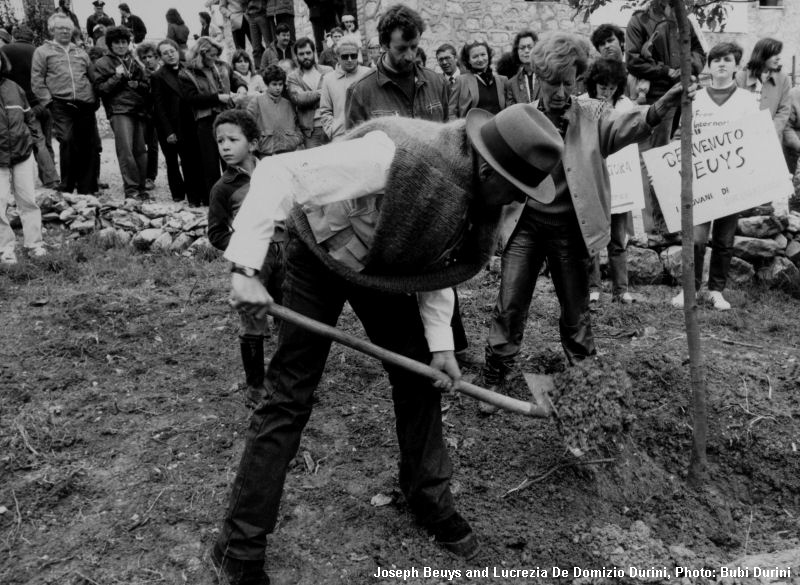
[(520, 143)]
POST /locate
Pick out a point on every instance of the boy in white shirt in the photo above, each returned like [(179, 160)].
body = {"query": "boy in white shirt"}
[(716, 105)]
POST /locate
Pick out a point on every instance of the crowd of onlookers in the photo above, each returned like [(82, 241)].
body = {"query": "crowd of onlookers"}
[(166, 95)]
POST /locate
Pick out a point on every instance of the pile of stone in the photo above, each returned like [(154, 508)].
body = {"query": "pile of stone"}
[(144, 225), (766, 248)]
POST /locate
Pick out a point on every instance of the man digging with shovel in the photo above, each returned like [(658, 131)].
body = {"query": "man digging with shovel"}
[(401, 206)]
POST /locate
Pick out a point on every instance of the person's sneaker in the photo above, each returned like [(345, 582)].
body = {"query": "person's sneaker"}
[(625, 298), (37, 251), (231, 571), (718, 301), (594, 297), (149, 185), (8, 258), (677, 300), (455, 535)]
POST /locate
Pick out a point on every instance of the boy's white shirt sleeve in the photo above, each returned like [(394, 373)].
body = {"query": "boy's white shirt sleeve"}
[(436, 310), (338, 171)]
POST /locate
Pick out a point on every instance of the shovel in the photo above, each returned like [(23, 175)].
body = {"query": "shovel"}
[(539, 406)]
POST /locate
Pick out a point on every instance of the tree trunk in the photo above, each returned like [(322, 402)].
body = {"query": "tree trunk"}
[(697, 464)]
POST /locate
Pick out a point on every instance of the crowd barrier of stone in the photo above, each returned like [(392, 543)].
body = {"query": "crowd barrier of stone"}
[(766, 249)]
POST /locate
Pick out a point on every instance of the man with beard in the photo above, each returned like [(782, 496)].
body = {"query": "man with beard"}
[(305, 91), (399, 86)]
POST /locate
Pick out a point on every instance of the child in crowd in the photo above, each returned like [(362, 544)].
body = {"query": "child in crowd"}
[(275, 116), (606, 81), (242, 69), (237, 139), (17, 164), (721, 101)]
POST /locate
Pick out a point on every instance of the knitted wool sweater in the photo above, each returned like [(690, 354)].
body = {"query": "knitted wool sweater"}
[(432, 231)]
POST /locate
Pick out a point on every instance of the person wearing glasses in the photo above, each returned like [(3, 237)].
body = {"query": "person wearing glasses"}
[(448, 63), (334, 86)]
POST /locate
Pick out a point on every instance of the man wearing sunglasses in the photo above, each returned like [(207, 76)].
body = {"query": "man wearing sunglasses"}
[(334, 86)]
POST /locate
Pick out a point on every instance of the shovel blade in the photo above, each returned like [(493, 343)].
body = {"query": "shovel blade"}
[(540, 386)]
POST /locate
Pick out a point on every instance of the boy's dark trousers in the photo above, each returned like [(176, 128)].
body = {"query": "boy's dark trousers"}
[(390, 320)]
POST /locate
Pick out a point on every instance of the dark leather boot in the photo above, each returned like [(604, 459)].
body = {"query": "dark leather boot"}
[(252, 347)]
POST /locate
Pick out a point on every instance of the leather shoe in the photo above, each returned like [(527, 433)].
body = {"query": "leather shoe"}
[(455, 535), (230, 571)]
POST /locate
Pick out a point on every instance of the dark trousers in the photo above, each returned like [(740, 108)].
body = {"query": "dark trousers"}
[(316, 138), (722, 238), (75, 128), (209, 157), (131, 151), (274, 21), (241, 35), (273, 438), (151, 140), (260, 35), (535, 239), (617, 258), (43, 149)]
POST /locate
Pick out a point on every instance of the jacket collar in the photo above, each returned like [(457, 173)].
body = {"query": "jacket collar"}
[(233, 172), (383, 78)]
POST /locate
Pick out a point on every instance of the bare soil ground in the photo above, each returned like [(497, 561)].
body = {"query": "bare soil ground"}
[(121, 427)]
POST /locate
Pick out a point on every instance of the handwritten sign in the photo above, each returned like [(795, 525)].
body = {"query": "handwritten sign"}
[(734, 167), (625, 177)]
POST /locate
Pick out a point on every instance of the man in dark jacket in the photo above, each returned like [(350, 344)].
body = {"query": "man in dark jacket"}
[(133, 22), (322, 14), (279, 49), (20, 55), (122, 84), (175, 127)]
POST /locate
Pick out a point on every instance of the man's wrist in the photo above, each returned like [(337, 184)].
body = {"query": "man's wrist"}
[(244, 270)]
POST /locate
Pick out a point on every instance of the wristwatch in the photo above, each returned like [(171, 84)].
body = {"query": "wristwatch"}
[(243, 270)]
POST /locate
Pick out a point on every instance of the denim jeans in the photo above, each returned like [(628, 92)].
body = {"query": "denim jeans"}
[(43, 150), (75, 128), (722, 237), (25, 196), (390, 320), (131, 151), (259, 35), (617, 259), (534, 240)]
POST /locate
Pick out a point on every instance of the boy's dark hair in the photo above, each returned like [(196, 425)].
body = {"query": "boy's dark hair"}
[(465, 50), (721, 49), (606, 72), (241, 118), (399, 16), (117, 33), (282, 28), (145, 48), (605, 31), (123, 7), (525, 33), (274, 73), (304, 42), (763, 50)]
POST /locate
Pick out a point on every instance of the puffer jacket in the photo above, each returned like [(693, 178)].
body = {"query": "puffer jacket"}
[(16, 125), (63, 74), (122, 94), (275, 7)]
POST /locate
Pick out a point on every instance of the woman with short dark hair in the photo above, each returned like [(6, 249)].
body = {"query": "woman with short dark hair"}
[(478, 86)]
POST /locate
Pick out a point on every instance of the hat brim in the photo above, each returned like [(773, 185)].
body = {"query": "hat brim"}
[(476, 118)]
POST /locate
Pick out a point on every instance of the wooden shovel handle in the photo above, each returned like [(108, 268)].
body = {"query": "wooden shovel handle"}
[(500, 400)]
